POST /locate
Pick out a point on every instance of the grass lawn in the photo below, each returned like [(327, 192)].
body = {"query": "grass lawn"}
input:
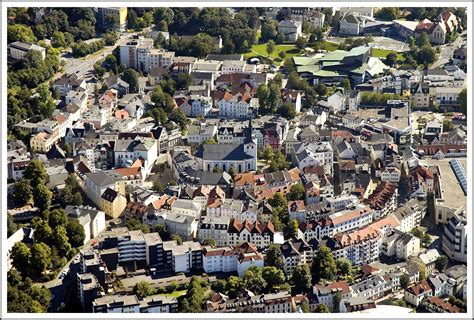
[(329, 46), (381, 53), (261, 49), (175, 294)]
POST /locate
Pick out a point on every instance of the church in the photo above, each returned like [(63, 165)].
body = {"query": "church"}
[(240, 156)]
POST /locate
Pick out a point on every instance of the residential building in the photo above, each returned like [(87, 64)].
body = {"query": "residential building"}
[(18, 50), (92, 220), (88, 289), (119, 17), (455, 237), (236, 105), (258, 233), (214, 228), (295, 252), (292, 30), (116, 304), (325, 294), (400, 244), (69, 82), (352, 24), (134, 53), (415, 294), (438, 305)]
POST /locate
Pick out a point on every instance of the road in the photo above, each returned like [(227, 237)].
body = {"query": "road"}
[(84, 67), (447, 51)]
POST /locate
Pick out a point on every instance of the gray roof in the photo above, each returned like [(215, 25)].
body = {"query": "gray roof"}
[(100, 178), (224, 152)]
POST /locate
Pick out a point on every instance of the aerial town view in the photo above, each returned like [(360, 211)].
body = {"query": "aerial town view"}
[(237, 160)]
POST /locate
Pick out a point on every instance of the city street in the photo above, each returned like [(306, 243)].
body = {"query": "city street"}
[(447, 50)]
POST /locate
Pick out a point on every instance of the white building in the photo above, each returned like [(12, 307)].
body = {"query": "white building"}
[(214, 228), (238, 105), (292, 30), (19, 49), (93, 221)]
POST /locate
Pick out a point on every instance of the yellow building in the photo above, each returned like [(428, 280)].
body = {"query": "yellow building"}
[(112, 203), (41, 142), (119, 12)]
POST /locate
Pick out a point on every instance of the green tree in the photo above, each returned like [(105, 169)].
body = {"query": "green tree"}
[(388, 13), (301, 43), (324, 266), (201, 45), (11, 225), (132, 19), (209, 242), (78, 199), (195, 295), (287, 110), (21, 256), (35, 172), (426, 55), (42, 197), (301, 278), (20, 32), (57, 217), (270, 47), (75, 233), (40, 257), (61, 241), (322, 308), (23, 192), (447, 125), (273, 256), (233, 286), (404, 281), (344, 267), (441, 263), (157, 186), (58, 40), (291, 229), (273, 277), (253, 280), (268, 31), (135, 224), (305, 307), (278, 201), (345, 83), (297, 192), (43, 231), (130, 76), (143, 289), (463, 101), (282, 55), (391, 59), (177, 238), (321, 89), (423, 40)]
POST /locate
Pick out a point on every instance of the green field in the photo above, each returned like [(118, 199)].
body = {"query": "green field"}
[(290, 50), (261, 50), (175, 294), (381, 53)]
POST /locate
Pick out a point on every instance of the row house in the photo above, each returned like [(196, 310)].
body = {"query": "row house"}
[(295, 252), (400, 244), (347, 220), (194, 105), (326, 293), (360, 246), (127, 151), (67, 83), (421, 182), (214, 228), (279, 302), (313, 154), (231, 259), (410, 214), (383, 200), (315, 229), (237, 105), (258, 233)]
